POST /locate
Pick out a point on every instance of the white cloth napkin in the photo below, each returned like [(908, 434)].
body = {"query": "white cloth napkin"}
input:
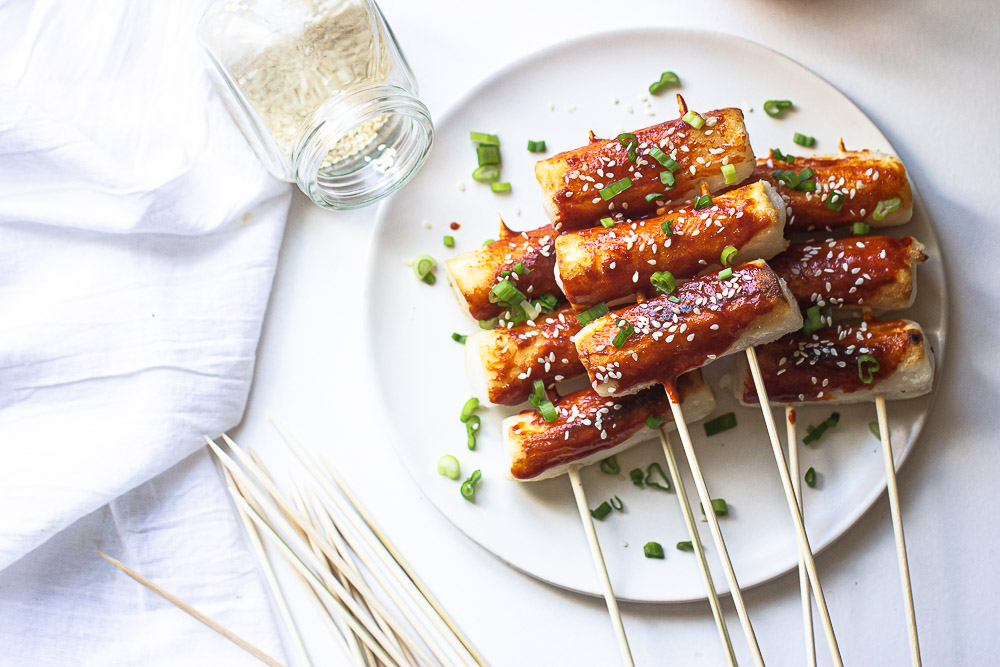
[(138, 241)]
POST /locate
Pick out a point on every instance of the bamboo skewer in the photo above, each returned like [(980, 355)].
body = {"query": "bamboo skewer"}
[(180, 604), (713, 525), (302, 656), (376, 546), (699, 549), (805, 551), (897, 529), (602, 569), (804, 594)]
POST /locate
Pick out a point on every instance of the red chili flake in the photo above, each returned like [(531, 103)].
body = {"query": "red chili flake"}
[(455, 225)]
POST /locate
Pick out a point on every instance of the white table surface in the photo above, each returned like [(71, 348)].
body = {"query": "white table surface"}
[(924, 72)]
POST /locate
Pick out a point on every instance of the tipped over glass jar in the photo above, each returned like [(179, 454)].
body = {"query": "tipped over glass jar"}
[(323, 94)]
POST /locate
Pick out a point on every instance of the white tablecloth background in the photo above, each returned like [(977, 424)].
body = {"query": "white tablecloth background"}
[(925, 74)]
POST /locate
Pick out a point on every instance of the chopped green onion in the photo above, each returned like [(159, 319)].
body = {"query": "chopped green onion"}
[(458, 338), (521, 270), (685, 546), (609, 466), (664, 159), (469, 485), (541, 401), (773, 108), (505, 293), (486, 174), (813, 320), (667, 178), (591, 314), (546, 302), (617, 503), (787, 176), (488, 155), (885, 207), (694, 119), (449, 241), (448, 466), (625, 330), (650, 480), (485, 139), (490, 323), (719, 506), (423, 268), (720, 424), (836, 201), (702, 201), (536, 146), (806, 174), (653, 196), (652, 550), (472, 425), (607, 223), (726, 273), (663, 281), (488, 241), (601, 511), (778, 155), (860, 228), (548, 412), (728, 254), (630, 143), (729, 173), (811, 478), (806, 186), (636, 475), (668, 227), (538, 395), (674, 299), (814, 433), (616, 188), (873, 427), (500, 187), (470, 406), (655, 421), (666, 79), (804, 140), (868, 366)]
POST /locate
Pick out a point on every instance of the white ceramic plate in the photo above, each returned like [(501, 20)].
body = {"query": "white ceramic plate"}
[(600, 83)]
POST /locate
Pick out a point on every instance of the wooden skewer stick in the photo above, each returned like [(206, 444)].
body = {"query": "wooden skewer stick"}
[(184, 606), (699, 549), (897, 528), (713, 526), (793, 470), (379, 545), (805, 551), (302, 656), (602, 569)]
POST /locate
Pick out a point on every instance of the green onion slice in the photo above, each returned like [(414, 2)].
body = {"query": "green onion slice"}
[(616, 188), (719, 506), (538, 395), (500, 187), (469, 485), (636, 475), (665, 160), (885, 207), (720, 424), (728, 255), (653, 470), (548, 412), (773, 108), (663, 281), (546, 303), (607, 223), (813, 320), (521, 270), (630, 143), (617, 504), (488, 241), (625, 329), (609, 466), (804, 140), (685, 546), (729, 173), (667, 178), (674, 299), (694, 119), (448, 466), (472, 425), (726, 273), (505, 293), (868, 366), (666, 80), (488, 155), (653, 196), (655, 421), (860, 228), (702, 201), (486, 174), (459, 338), (836, 200), (601, 511), (449, 241), (788, 177), (810, 478), (470, 406), (423, 266), (484, 138), (536, 146), (776, 154), (591, 314), (652, 550), (814, 433), (668, 227), (490, 323)]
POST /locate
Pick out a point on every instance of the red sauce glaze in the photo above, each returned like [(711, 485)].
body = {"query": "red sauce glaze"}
[(577, 208), (790, 364), (455, 226), (847, 272), (542, 352), (673, 338), (791, 416), (841, 173), (544, 446), (588, 278)]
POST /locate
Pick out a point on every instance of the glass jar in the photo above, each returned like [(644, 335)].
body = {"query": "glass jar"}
[(323, 94)]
